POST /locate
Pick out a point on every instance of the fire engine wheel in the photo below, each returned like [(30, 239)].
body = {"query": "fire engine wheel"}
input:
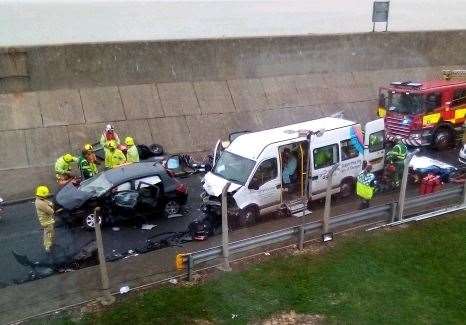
[(443, 139), (346, 188), (247, 217)]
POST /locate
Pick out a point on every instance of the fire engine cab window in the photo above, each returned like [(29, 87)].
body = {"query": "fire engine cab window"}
[(405, 103), (325, 156), (459, 97), (432, 101), (348, 151), (266, 171)]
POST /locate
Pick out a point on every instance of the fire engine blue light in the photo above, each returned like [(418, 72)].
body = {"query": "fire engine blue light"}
[(405, 121)]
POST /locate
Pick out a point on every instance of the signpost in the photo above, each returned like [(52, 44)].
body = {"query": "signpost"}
[(380, 13)]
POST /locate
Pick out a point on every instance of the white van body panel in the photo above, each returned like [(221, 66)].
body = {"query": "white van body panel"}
[(267, 197), (214, 184), (348, 169), (264, 145)]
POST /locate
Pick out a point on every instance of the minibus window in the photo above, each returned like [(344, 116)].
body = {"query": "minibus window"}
[(348, 151), (376, 141), (267, 171), (325, 156)]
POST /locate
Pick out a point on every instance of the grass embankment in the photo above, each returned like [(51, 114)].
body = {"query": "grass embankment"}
[(416, 275)]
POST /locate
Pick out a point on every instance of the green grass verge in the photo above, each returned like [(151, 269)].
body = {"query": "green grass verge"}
[(416, 275)]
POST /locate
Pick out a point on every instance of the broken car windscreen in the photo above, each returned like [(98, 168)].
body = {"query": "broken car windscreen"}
[(233, 167), (96, 185), (405, 103)]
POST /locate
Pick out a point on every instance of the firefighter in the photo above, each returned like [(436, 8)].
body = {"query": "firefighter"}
[(45, 214), (396, 158), (132, 154), (398, 152), (108, 135), (366, 186), (114, 157), (86, 163), (63, 169)]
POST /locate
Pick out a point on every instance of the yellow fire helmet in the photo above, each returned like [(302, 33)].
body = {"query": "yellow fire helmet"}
[(129, 141), (112, 144), (88, 147), (42, 191), (68, 158)]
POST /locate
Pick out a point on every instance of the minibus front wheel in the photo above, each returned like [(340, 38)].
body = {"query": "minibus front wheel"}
[(247, 216)]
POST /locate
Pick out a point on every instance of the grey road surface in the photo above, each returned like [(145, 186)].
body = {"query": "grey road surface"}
[(20, 230), (40, 22)]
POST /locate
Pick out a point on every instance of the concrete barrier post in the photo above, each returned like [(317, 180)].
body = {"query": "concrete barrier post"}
[(404, 183), (393, 207), (190, 267), (225, 241), (106, 298), (328, 200), (464, 193), (301, 237)]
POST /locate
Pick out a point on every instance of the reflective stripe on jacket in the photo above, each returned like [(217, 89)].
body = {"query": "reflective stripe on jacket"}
[(364, 185)]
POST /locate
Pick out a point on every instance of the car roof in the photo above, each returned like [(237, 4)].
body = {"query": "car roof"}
[(133, 171), (250, 145)]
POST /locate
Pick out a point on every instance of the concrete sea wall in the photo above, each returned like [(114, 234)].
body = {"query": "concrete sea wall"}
[(185, 95)]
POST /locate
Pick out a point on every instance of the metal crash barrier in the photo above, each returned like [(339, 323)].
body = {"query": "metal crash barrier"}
[(382, 212)]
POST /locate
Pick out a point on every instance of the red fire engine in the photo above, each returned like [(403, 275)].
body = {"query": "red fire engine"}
[(427, 113)]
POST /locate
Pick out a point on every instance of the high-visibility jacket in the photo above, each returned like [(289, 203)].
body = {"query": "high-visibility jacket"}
[(132, 154), (114, 158), (365, 185), (106, 137), (62, 167), (87, 168), (45, 213)]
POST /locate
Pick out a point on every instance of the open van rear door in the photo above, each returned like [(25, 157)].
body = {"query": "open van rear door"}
[(374, 143)]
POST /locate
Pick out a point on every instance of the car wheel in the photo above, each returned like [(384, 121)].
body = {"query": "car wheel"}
[(89, 221), (247, 217), (443, 139), (172, 207), (346, 188), (156, 149)]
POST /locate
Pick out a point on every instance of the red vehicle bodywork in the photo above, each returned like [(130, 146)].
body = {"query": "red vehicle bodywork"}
[(419, 114)]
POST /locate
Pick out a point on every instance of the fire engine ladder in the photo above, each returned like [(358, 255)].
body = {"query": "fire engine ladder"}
[(449, 74), (297, 207)]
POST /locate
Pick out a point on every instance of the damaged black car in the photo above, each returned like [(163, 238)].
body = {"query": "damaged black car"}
[(129, 192)]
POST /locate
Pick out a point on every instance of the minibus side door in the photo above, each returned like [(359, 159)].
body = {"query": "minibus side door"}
[(374, 144)]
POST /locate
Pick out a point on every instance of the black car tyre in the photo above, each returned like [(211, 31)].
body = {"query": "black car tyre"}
[(89, 221), (443, 139), (247, 217), (156, 149), (172, 207), (346, 188)]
